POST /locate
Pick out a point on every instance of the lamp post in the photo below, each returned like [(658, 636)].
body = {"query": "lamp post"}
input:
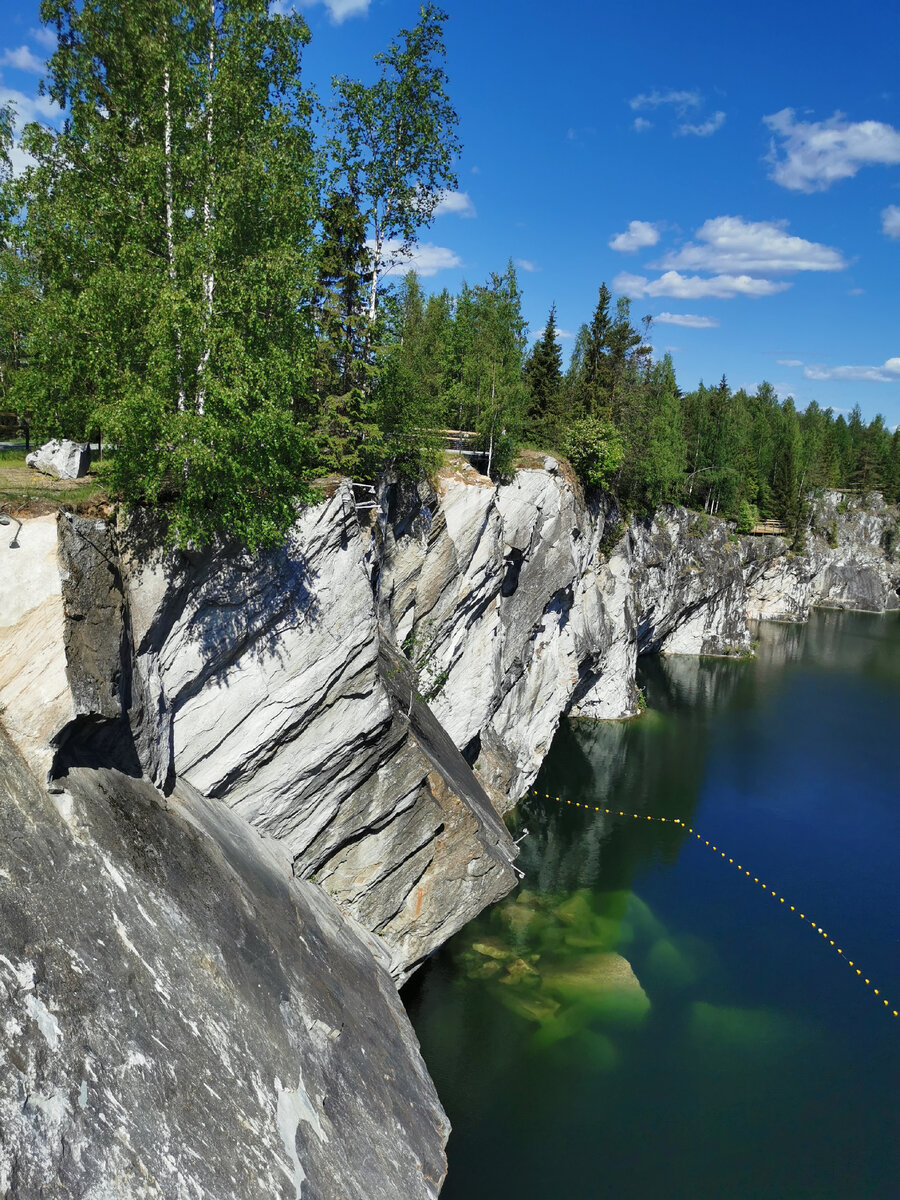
[(5, 520)]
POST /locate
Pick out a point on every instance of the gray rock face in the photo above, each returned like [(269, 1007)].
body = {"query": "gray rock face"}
[(851, 560), (532, 613), (182, 1018), (535, 603), (193, 990), (62, 460), (261, 683)]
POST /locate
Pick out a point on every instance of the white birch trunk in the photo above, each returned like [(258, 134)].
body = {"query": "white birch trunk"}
[(209, 278), (170, 221)]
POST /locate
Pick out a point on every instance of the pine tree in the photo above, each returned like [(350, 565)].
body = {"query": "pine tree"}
[(543, 376)]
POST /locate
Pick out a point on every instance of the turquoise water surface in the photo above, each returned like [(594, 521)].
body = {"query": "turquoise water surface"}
[(640, 1020)]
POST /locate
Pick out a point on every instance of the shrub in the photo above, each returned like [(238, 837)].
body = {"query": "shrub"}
[(594, 447)]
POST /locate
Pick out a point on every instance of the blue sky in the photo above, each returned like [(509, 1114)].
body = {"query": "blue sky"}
[(734, 169)]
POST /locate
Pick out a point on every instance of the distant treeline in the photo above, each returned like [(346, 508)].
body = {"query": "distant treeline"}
[(196, 265), (618, 413)]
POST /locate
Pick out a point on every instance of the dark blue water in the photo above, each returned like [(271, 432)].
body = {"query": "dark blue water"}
[(641, 1021)]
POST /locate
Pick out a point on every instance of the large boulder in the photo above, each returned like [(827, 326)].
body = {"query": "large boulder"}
[(62, 460)]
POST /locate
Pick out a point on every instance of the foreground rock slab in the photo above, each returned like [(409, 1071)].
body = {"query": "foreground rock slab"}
[(182, 1019)]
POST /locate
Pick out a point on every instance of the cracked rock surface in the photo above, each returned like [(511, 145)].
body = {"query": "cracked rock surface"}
[(536, 602), (181, 1019)]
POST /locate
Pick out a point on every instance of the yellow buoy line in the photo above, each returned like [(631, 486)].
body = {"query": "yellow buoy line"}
[(743, 871)]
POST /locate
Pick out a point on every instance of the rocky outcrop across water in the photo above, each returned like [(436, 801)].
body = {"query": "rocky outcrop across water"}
[(538, 602), (850, 559)]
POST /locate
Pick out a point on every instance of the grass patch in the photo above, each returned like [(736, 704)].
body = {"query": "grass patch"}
[(26, 492)]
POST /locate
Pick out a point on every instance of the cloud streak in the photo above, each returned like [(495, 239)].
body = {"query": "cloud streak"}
[(890, 221), (704, 129), (423, 257), (693, 287), (680, 101), (22, 59), (456, 203), (888, 372), (733, 245), (338, 10), (810, 156), (686, 320)]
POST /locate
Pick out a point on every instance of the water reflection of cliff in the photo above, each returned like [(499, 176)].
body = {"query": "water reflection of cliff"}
[(656, 764), (861, 643)]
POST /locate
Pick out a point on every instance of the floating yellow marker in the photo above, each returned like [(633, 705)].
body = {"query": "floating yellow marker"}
[(677, 821)]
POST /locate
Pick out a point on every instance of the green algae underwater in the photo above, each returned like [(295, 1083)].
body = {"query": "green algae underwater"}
[(637, 1020)]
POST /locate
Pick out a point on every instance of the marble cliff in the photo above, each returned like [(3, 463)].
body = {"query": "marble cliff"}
[(231, 825)]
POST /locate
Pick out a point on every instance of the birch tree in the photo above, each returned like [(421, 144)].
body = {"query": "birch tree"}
[(169, 225), (395, 142)]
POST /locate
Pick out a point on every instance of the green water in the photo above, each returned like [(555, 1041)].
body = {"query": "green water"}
[(638, 1020)]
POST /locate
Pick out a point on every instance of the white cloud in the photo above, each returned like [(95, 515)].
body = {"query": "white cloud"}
[(29, 108), (458, 203), (888, 372), (692, 287), (19, 160), (731, 244), (638, 235), (790, 362), (423, 257), (526, 264), (890, 221), (682, 101), (705, 128), (26, 109), (686, 320), (338, 10), (641, 124), (856, 292), (22, 60), (816, 154), (44, 37)]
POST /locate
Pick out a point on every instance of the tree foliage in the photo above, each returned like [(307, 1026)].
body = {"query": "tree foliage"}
[(395, 141), (169, 228), (186, 269)]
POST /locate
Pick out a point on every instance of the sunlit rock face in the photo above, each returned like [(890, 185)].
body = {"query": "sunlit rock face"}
[(851, 559), (182, 1017), (536, 602), (257, 825), (265, 684), (35, 698)]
